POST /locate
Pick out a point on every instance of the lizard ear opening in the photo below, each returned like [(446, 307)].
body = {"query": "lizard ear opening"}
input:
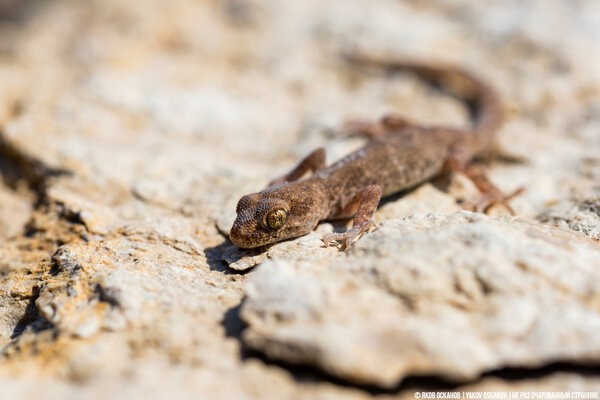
[(276, 218)]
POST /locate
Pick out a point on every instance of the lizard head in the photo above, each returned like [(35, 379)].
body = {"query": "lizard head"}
[(277, 213)]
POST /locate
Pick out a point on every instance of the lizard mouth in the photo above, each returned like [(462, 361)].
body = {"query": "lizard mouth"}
[(248, 240)]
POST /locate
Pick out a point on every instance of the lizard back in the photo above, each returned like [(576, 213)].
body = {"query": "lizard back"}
[(394, 161)]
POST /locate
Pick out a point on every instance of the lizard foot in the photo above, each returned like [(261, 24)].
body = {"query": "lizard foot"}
[(350, 236), (486, 200)]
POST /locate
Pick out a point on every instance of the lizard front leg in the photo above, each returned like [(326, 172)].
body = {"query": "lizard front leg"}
[(365, 204), (314, 162)]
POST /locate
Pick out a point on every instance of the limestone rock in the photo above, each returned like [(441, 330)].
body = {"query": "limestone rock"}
[(582, 216), (433, 294), (15, 211), (129, 130)]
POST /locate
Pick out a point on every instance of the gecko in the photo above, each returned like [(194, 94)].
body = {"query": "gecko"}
[(399, 155)]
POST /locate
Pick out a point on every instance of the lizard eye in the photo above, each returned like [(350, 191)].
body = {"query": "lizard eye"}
[(276, 218)]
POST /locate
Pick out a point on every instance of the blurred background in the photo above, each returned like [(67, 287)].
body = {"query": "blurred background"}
[(129, 130)]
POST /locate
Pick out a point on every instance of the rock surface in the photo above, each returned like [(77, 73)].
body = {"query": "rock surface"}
[(128, 131), (433, 294)]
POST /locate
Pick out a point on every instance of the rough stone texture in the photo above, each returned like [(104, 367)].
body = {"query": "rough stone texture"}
[(435, 294), (15, 211), (128, 131), (582, 216)]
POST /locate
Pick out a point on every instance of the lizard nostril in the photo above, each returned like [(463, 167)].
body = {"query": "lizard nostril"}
[(237, 237)]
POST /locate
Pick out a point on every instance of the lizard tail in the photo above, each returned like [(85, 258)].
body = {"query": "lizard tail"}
[(483, 103)]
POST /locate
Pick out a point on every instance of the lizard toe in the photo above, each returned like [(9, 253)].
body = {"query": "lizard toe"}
[(345, 240), (487, 200)]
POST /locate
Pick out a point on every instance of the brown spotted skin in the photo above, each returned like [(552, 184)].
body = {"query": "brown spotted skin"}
[(303, 200), (399, 156)]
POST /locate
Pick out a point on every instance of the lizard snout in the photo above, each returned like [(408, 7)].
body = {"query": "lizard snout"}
[(243, 237)]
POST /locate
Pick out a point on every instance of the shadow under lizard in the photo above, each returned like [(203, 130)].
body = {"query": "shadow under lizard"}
[(399, 155)]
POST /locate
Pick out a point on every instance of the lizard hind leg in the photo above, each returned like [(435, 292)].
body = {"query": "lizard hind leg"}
[(313, 162), (365, 203), (490, 194)]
